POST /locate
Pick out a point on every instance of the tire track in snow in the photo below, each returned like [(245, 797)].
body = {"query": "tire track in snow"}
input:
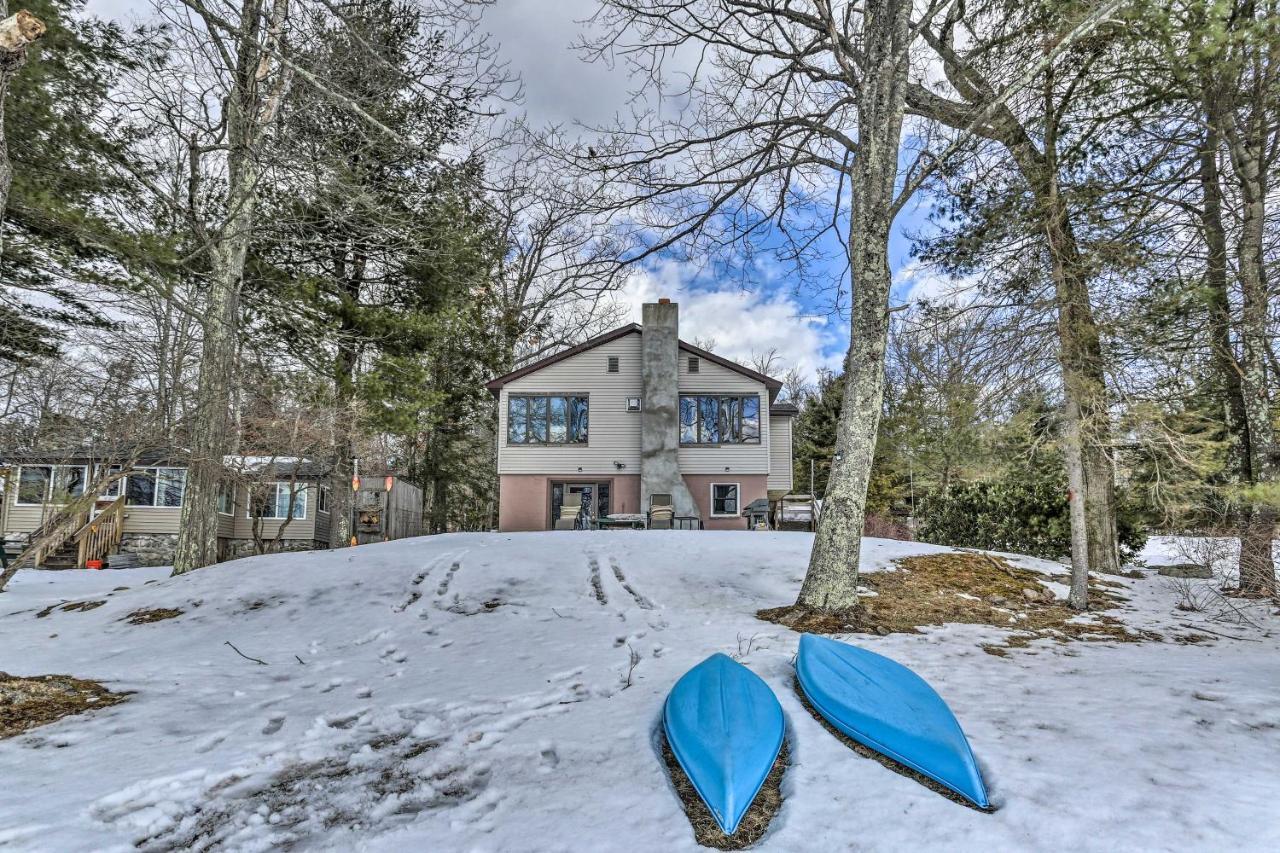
[(597, 583), (641, 601)]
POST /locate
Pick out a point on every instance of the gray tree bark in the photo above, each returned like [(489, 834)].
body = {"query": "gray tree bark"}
[(831, 583), (249, 110)]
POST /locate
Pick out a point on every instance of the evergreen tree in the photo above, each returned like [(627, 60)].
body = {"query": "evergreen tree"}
[(63, 235)]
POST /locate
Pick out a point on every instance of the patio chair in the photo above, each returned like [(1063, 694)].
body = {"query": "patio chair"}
[(569, 512), (662, 511)]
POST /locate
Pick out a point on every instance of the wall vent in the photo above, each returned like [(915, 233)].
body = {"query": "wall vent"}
[(693, 364), (613, 364)]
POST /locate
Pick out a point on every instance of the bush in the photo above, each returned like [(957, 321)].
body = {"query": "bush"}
[(1019, 516)]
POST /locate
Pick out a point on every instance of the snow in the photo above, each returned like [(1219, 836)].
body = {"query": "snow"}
[(467, 692)]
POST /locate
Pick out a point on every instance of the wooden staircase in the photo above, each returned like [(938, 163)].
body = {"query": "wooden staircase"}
[(76, 535)]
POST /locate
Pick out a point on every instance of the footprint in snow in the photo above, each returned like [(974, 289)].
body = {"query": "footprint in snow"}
[(274, 724), (333, 684)]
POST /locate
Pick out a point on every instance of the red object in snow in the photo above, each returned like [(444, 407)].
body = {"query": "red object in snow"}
[(93, 564)]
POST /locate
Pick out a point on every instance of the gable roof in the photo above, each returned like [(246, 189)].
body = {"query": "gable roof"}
[(495, 385)]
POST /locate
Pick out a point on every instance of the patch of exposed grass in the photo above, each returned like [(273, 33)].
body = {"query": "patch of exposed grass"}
[(968, 588), (880, 758), (70, 606), (26, 703), (154, 614), (754, 823)]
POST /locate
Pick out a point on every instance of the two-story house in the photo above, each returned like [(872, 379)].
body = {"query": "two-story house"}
[(636, 413)]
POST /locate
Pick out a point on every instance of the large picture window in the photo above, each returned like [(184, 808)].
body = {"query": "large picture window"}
[(708, 419), (271, 501), (157, 487), (41, 484), (546, 419)]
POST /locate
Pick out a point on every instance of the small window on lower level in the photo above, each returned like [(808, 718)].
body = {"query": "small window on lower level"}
[(724, 498), (633, 404)]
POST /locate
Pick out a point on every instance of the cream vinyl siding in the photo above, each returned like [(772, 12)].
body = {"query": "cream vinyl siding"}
[(152, 519), (613, 433), (24, 519), (227, 523), (780, 458), (711, 378)]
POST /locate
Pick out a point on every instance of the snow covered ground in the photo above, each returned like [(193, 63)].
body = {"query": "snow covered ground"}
[(469, 692)]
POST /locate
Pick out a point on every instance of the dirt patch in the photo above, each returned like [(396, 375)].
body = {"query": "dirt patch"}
[(978, 589), (26, 703), (754, 823), (884, 760), (70, 606), (154, 614)]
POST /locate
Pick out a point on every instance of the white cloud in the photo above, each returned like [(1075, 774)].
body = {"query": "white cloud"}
[(919, 282), (741, 322)]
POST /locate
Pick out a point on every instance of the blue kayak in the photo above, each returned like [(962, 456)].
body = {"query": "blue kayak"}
[(882, 704), (725, 728)]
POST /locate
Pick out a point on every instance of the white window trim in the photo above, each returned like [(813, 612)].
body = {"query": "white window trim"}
[(712, 507), (48, 492), (302, 490), (326, 492), (124, 487)]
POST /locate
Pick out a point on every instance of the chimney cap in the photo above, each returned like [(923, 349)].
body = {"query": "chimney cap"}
[(662, 300)]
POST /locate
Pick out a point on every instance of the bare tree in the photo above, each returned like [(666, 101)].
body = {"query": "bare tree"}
[(792, 108), (985, 49), (555, 285)]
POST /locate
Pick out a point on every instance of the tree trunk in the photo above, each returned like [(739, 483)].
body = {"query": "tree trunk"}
[(1218, 298), (350, 276), (831, 583), (1257, 564), (16, 33), (246, 117)]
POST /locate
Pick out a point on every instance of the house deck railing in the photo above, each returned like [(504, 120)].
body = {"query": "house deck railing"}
[(100, 535)]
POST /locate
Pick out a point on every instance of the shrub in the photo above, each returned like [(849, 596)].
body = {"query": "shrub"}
[(1016, 515)]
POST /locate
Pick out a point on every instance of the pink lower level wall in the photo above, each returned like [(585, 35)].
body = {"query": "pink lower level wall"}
[(524, 500)]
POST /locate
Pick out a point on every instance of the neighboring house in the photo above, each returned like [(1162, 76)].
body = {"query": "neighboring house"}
[(140, 515), (636, 413)]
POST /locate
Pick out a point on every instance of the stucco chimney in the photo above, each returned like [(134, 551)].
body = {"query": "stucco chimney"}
[(660, 414)]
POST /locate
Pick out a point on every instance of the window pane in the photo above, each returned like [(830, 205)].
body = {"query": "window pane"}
[(750, 419), (284, 491), (262, 501), (537, 419), (224, 500), (724, 499), (578, 419), (33, 484), (709, 415), (112, 490), (68, 482), (516, 420), (688, 420), (729, 408), (322, 499), (140, 488), (559, 419), (172, 485)]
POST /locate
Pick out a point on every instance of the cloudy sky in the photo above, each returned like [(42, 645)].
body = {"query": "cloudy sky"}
[(756, 314)]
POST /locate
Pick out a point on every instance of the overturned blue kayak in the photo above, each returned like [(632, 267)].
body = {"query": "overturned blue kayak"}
[(887, 707), (725, 728)]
